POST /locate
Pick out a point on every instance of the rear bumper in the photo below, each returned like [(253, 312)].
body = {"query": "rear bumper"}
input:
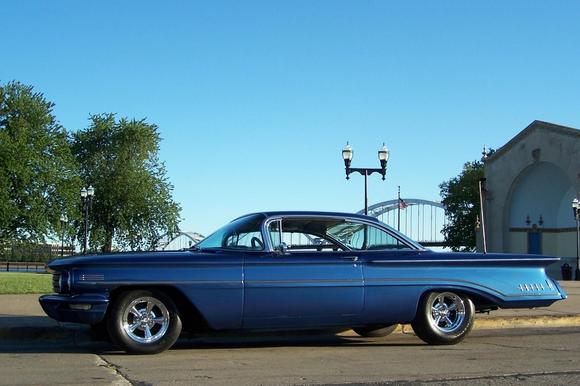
[(83, 308), (563, 293)]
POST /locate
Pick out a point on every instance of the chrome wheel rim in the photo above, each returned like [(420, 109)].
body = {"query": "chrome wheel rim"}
[(145, 320), (447, 312)]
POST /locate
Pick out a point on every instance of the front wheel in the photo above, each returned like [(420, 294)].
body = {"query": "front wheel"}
[(144, 322), (444, 318)]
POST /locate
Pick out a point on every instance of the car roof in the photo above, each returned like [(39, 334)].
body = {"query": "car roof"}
[(306, 213)]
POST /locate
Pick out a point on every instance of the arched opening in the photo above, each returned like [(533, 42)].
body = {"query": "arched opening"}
[(539, 206)]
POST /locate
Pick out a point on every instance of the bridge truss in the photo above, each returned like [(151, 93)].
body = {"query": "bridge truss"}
[(181, 240), (421, 220)]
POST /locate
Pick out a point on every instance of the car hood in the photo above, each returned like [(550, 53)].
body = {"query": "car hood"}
[(120, 258)]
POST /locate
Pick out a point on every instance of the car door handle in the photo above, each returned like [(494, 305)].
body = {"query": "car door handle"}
[(353, 258)]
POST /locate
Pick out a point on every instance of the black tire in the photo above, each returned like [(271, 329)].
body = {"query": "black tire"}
[(153, 329), (375, 331), (444, 318)]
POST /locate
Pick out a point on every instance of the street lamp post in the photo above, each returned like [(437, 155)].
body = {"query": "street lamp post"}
[(63, 222), (576, 211), (87, 195), (383, 154)]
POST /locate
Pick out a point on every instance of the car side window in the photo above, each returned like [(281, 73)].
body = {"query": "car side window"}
[(297, 237), (360, 236), (299, 241)]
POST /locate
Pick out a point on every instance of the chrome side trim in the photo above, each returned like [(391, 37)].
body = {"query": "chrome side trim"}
[(410, 282), (305, 281), (185, 263), (462, 260), (227, 282), (437, 281), (92, 277), (162, 282)]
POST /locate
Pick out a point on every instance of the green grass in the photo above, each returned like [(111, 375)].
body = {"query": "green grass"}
[(25, 283)]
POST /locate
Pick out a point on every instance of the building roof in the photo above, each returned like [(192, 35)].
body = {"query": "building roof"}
[(532, 127)]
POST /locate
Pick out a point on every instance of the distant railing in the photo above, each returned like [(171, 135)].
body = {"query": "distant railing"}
[(22, 266), (20, 252)]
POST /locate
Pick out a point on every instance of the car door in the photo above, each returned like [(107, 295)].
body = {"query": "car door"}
[(302, 287), (389, 297)]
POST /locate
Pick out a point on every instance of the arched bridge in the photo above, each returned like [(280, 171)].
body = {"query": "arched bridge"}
[(421, 220), (180, 240)]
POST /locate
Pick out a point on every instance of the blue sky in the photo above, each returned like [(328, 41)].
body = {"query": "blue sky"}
[(255, 100)]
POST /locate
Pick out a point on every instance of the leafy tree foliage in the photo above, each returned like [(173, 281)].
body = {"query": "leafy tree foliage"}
[(133, 207), (461, 200), (38, 174)]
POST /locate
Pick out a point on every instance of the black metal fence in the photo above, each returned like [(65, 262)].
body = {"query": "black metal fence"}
[(32, 253), (27, 266)]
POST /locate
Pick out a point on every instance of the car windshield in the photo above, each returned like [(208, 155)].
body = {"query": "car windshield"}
[(243, 233)]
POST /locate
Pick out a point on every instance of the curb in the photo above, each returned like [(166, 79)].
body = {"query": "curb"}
[(503, 322), (493, 323)]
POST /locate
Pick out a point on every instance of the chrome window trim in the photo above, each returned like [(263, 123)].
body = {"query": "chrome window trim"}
[(265, 225), (270, 220)]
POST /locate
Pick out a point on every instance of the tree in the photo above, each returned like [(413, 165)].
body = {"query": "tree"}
[(461, 200), (133, 206), (38, 174)]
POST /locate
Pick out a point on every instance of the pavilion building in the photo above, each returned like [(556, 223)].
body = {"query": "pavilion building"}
[(530, 184)]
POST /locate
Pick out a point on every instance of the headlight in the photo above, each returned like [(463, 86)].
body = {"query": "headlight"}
[(61, 282), (56, 282)]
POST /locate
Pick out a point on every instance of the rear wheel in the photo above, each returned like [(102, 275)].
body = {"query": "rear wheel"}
[(375, 331), (444, 318), (144, 322)]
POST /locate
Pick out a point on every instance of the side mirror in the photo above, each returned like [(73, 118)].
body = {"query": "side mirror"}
[(282, 248)]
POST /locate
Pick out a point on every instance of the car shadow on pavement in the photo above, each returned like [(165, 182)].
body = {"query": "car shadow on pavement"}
[(60, 339), (299, 341), (315, 338), (71, 338)]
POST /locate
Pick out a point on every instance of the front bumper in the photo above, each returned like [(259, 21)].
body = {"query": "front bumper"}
[(83, 308)]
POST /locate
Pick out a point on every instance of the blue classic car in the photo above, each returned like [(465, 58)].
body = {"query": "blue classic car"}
[(293, 270)]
